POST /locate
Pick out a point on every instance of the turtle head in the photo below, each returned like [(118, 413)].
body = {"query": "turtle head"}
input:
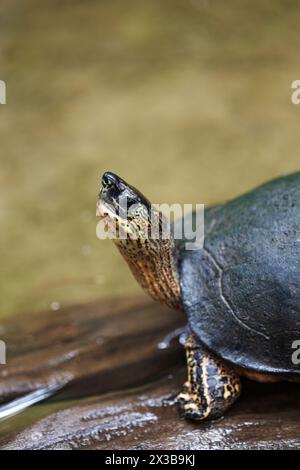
[(128, 216), (123, 208)]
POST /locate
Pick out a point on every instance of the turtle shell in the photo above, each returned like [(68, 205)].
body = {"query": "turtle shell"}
[(241, 292)]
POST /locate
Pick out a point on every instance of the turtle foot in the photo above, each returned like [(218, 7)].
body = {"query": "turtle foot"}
[(212, 385)]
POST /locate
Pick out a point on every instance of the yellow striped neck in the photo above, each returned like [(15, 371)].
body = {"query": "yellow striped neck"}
[(153, 264)]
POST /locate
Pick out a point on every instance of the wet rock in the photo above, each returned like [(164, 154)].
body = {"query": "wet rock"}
[(267, 417)]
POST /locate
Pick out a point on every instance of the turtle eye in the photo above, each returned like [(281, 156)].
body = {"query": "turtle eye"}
[(107, 184)]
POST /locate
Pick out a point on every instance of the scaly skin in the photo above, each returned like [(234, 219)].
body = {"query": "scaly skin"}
[(212, 386)]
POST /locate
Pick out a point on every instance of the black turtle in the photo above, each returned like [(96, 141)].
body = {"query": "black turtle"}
[(240, 291)]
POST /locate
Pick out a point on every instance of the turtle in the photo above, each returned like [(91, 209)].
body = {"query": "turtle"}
[(240, 290)]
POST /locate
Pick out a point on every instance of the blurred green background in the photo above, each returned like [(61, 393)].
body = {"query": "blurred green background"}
[(189, 100)]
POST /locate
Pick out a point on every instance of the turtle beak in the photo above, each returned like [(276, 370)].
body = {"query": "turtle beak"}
[(112, 186)]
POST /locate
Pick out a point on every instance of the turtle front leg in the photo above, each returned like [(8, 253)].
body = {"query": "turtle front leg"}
[(212, 385)]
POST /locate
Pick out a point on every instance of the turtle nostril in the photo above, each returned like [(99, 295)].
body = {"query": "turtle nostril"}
[(109, 180)]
